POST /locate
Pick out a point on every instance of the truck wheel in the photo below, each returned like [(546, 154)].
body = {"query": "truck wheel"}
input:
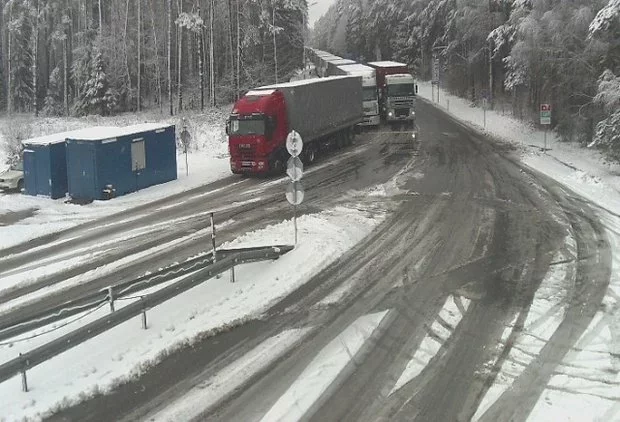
[(310, 156), (351, 136), (341, 141), (277, 166)]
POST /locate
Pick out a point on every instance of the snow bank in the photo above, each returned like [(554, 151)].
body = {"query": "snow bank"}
[(123, 351)]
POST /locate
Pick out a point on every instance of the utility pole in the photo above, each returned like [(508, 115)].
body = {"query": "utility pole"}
[(139, 103), (491, 74), (238, 51), (180, 60), (211, 55), (275, 46), (100, 20), (35, 68), (170, 57)]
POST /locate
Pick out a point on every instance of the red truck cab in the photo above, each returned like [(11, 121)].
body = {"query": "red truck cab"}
[(257, 130)]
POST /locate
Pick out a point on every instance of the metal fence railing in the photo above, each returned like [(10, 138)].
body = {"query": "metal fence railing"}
[(226, 260)]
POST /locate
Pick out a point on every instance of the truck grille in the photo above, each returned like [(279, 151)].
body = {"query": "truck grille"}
[(401, 112), (402, 102), (247, 152)]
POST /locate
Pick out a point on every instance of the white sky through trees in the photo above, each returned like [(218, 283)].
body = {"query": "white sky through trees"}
[(318, 10)]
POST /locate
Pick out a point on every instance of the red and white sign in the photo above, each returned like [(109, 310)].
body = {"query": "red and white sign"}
[(545, 114)]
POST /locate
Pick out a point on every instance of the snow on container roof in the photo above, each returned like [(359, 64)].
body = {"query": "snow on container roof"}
[(59, 138), (262, 93), (341, 61), (387, 64), (303, 82), (356, 68), (100, 133)]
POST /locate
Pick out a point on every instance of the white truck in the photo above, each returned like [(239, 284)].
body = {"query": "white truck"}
[(370, 100), (397, 93)]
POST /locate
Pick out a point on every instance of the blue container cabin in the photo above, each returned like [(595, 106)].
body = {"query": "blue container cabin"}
[(45, 165), (107, 162)]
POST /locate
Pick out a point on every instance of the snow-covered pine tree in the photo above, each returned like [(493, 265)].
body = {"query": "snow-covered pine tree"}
[(20, 29), (52, 105), (96, 96)]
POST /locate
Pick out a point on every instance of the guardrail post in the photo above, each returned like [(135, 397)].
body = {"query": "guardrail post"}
[(232, 273), (111, 298), (213, 237), (24, 378), (144, 325)]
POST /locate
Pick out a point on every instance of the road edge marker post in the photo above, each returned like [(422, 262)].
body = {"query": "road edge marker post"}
[(212, 217), (24, 376), (111, 298), (144, 324)]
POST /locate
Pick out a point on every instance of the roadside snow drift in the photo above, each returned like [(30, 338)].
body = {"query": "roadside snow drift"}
[(124, 351)]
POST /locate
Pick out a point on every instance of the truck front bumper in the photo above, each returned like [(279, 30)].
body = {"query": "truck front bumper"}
[(371, 121), (396, 119), (256, 166)]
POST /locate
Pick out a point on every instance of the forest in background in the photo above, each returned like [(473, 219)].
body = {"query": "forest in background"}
[(79, 57), (516, 53)]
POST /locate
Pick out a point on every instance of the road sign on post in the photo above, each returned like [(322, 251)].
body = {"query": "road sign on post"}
[(545, 119), (295, 193), (294, 144), (295, 170), (435, 71), (545, 114)]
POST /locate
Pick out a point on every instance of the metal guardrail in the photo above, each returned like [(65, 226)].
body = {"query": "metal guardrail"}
[(42, 353), (12, 328)]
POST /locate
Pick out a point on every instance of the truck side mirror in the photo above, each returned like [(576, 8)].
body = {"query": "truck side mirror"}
[(228, 127), (416, 88)]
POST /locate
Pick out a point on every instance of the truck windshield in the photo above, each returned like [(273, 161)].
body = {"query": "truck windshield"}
[(369, 93), (19, 166), (401, 90), (254, 126)]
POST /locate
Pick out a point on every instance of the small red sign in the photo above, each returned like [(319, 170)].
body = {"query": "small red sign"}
[(545, 107)]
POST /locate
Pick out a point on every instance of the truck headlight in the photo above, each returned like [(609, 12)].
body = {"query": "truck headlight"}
[(390, 114), (412, 112)]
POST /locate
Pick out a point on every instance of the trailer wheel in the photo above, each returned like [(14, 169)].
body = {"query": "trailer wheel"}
[(277, 166), (350, 136), (341, 140), (310, 155)]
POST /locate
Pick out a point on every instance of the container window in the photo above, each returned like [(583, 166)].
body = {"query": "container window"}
[(138, 156)]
